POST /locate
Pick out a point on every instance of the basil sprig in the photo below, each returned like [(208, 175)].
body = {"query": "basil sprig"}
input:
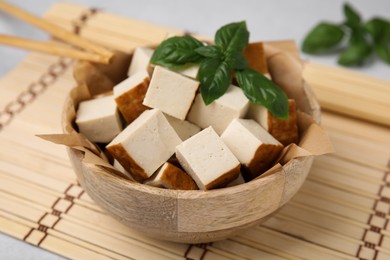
[(354, 39), (218, 62)]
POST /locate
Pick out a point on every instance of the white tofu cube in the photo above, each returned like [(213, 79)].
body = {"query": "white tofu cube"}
[(208, 160), (189, 70), (233, 104), (171, 177), (144, 145), (183, 128), (253, 146), (130, 93), (285, 131), (98, 119), (171, 92), (259, 114), (140, 60)]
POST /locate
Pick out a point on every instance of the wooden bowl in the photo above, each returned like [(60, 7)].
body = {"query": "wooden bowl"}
[(192, 216)]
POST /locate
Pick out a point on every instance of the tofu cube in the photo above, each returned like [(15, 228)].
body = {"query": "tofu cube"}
[(171, 177), (253, 146), (189, 70), (285, 131), (140, 61), (183, 128), (255, 55), (144, 145), (233, 104), (98, 119), (171, 92), (130, 93), (208, 160), (259, 114)]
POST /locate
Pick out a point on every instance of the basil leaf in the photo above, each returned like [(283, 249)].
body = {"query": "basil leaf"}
[(237, 61), (322, 37), (358, 50), (355, 54), (377, 27), (382, 49), (358, 37), (177, 51), (210, 51), (233, 37), (352, 17), (214, 77), (262, 91)]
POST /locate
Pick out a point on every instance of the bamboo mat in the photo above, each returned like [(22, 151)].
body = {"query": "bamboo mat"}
[(341, 212)]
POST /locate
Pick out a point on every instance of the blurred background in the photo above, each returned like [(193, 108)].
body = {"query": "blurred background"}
[(266, 20)]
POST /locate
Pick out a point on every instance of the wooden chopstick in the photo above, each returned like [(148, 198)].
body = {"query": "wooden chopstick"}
[(52, 48), (55, 31)]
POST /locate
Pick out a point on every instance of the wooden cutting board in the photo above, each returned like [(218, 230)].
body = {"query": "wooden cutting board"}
[(341, 212)]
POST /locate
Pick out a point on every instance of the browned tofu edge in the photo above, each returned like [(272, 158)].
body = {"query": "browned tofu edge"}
[(224, 179), (285, 131), (264, 156), (121, 155), (175, 178), (130, 103), (255, 55)]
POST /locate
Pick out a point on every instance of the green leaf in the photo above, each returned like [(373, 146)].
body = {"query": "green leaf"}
[(262, 91), (237, 61), (177, 51), (382, 49), (358, 50), (352, 17), (355, 54), (214, 77), (322, 38), (358, 37), (233, 37), (210, 51), (377, 27)]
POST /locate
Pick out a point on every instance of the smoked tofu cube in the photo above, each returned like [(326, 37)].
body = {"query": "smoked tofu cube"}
[(285, 131), (98, 119), (253, 146), (171, 92), (208, 160), (171, 177), (140, 60), (130, 93), (255, 55), (233, 104), (144, 145), (183, 128)]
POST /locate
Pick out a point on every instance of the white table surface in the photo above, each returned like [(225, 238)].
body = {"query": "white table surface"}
[(266, 20)]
